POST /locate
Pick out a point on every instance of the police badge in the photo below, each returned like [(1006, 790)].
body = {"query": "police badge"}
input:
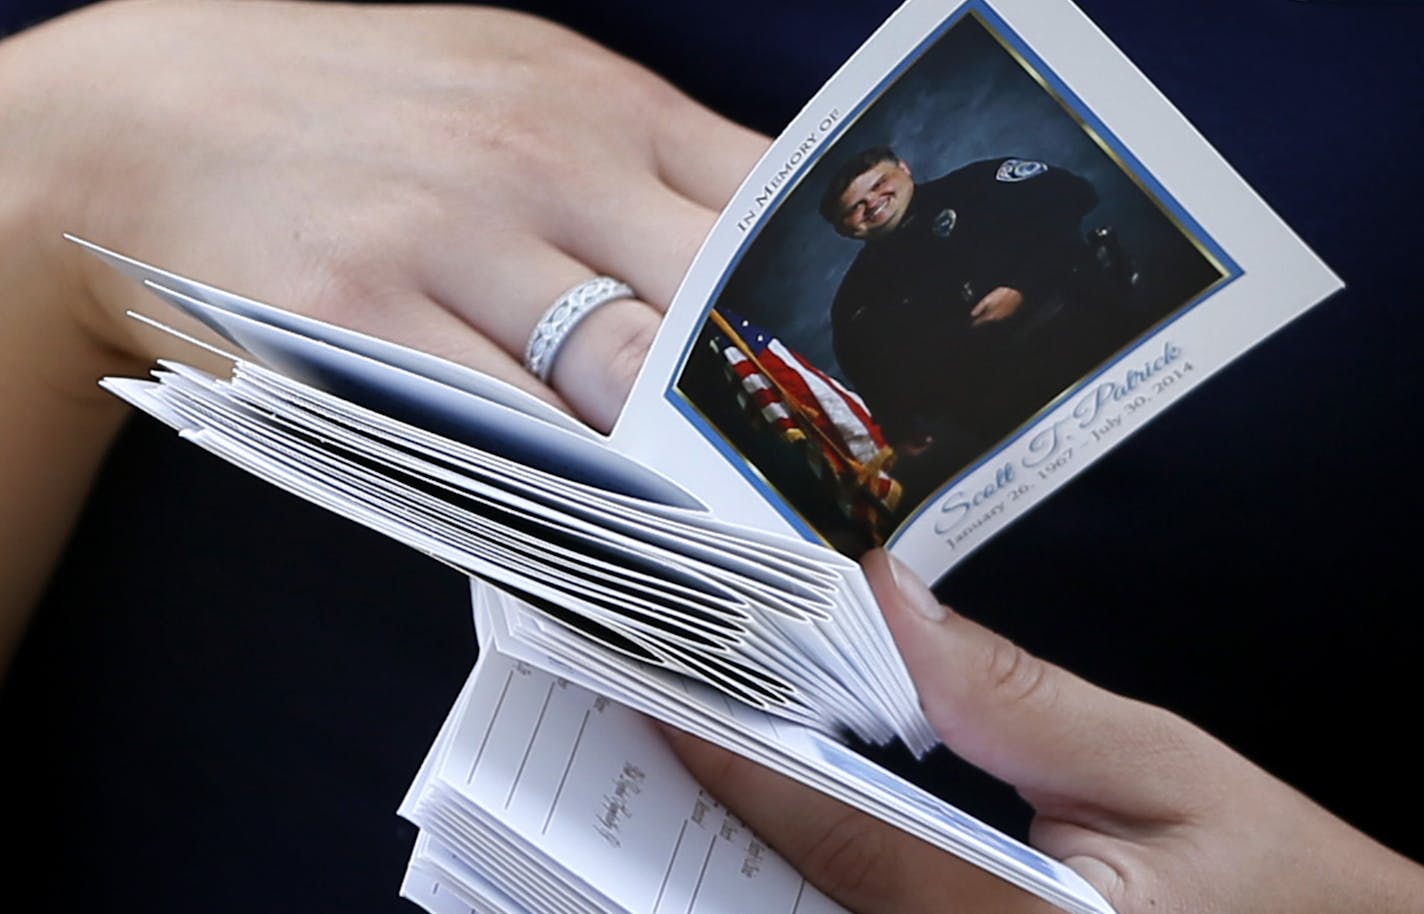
[(944, 223), (1015, 170)]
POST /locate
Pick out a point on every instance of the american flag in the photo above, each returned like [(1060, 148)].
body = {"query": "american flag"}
[(808, 408)]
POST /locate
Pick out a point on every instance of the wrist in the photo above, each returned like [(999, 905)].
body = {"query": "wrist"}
[(51, 140), (1335, 868)]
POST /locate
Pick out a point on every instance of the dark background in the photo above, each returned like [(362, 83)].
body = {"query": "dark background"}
[(226, 691)]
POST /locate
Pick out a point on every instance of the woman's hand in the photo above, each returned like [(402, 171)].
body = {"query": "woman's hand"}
[(434, 175), (1159, 816)]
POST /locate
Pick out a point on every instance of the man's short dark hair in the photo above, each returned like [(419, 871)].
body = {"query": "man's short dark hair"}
[(848, 172)]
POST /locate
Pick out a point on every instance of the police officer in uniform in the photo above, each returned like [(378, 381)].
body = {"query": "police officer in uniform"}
[(976, 299)]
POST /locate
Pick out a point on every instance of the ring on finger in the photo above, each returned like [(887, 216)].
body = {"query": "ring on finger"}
[(563, 315)]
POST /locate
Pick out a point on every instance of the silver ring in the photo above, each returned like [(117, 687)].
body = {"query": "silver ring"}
[(563, 315)]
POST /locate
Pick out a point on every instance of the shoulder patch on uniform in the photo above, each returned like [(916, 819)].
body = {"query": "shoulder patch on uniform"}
[(1015, 170)]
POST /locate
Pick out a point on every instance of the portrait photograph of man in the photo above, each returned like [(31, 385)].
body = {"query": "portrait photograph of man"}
[(968, 252)]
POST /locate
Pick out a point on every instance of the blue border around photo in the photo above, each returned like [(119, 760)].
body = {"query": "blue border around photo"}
[(1076, 106)]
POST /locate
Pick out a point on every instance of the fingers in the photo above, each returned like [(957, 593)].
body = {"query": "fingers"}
[(987, 308), (641, 233), (702, 155), (860, 861), (433, 328), (505, 294), (485, 161), (626, 224), (1070, 748), (502, 291), (594, 370), (647, 237)]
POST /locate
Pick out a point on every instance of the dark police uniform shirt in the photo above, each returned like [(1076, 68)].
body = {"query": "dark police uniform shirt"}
[(901, 319)]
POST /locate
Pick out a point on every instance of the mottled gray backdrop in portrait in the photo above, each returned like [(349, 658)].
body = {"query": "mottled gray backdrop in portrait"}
[(966, 99)]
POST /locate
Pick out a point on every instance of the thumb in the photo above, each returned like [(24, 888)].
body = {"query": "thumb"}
[(1065, 744)]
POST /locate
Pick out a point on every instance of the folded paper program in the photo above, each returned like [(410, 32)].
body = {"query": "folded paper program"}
[(777, 624)]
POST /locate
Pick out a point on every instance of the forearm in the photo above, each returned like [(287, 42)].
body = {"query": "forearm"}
[(1353, 873), (57, 422), (54, 441)]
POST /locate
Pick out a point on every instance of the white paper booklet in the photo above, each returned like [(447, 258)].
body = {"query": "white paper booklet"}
[(984, 253), (547, 791), (541, 795)]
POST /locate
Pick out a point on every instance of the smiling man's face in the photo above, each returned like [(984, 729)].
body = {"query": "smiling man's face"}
[(873, 204)]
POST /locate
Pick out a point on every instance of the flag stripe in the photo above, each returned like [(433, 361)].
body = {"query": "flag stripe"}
[(793, 392)]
